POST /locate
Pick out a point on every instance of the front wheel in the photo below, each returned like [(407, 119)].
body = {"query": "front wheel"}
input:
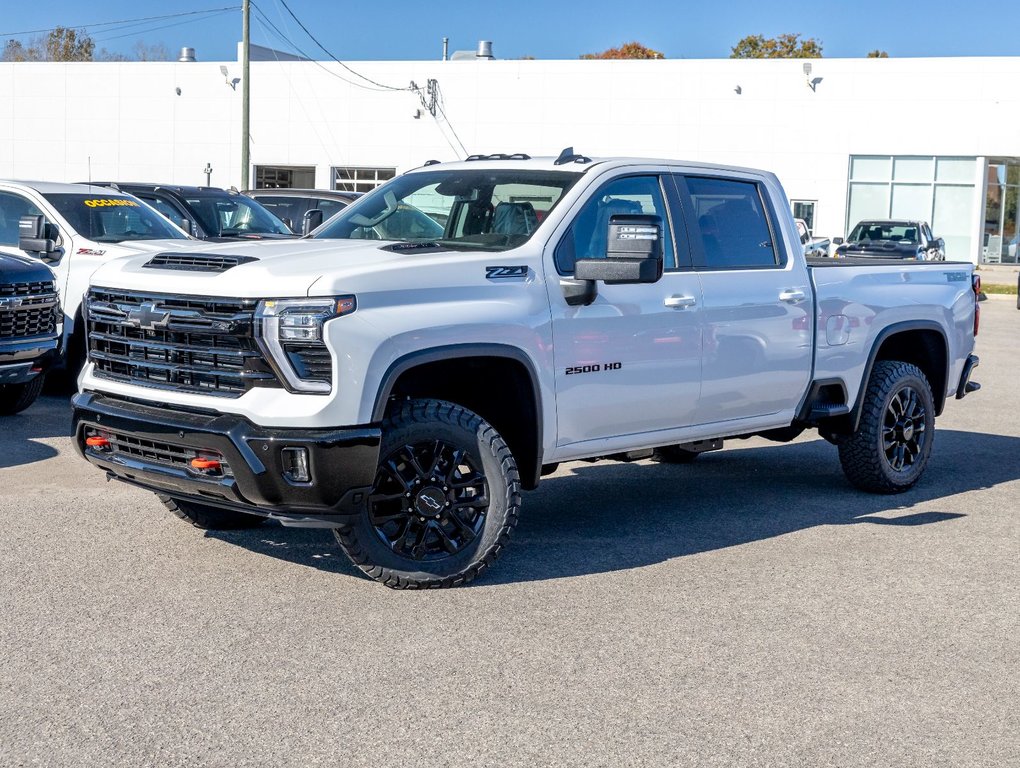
[(15, 398), (889, 451), (445, 501)]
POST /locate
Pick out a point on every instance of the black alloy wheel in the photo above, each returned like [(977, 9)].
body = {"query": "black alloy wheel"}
[(430, 500), (445, 501), (890, 449)]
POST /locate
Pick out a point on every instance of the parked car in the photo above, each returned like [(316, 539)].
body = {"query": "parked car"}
[(813, 246), (74, 228), (403, 384), (209, 213), (893, 240), (296, 206), (30, 320)]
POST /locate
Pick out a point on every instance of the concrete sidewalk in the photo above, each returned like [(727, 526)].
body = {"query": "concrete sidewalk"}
[(999, 274)]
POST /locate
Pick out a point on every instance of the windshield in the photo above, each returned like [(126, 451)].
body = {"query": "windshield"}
[(226, 215), (106, 218), (488, 209), (877, 231)]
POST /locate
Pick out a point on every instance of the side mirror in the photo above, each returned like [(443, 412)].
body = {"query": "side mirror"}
[(633, 252), (312, 219), (36, 235), (837, 241)]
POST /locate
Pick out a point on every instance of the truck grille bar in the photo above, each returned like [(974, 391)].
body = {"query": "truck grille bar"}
[(28, 309), (185, 343)]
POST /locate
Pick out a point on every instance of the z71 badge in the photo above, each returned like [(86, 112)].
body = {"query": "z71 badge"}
[(505, 273)]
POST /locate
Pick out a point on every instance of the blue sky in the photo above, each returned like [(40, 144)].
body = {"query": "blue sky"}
[(544, 29)]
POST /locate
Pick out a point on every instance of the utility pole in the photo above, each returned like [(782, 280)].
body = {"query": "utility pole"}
[(245, 90)]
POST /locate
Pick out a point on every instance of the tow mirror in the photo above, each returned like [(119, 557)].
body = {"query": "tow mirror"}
[(837, 241), (633, 252), (312, 219), (36, 235)]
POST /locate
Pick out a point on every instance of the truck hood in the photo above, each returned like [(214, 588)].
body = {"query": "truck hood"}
[(280, 269), (886, 249)]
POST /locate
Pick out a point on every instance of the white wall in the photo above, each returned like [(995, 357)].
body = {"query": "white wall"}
[(130, 121)]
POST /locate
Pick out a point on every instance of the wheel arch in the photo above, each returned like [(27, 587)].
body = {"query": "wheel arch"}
[(496, 381), (920, 342)]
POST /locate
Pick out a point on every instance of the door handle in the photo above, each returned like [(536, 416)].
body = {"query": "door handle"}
[(792, 296), (680, 302)]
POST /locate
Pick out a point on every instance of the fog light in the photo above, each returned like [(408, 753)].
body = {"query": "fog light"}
[(295, 465)]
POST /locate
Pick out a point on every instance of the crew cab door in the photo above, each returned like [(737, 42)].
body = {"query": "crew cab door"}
[(630, 362), (757, 310)]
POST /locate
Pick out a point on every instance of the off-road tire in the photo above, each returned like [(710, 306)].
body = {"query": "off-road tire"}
[(15, 398), (674, 454), (884, 455), (441, 430), (210, 518)]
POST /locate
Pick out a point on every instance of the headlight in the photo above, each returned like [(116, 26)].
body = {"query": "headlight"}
[(289, 332)]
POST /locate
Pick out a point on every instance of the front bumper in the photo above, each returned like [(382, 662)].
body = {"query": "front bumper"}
[(151, 447), (23, 360)]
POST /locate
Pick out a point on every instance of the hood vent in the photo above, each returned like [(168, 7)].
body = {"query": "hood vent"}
[(196, 262)]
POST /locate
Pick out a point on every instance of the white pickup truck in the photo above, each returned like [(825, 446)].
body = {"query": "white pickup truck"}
[(401, 375), (74, 228)]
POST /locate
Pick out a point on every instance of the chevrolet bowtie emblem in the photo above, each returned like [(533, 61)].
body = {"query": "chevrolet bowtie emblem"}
[(10, 302), (147, 317)]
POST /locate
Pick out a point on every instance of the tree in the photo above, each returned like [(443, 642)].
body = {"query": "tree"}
[(877, 54), (632, 50), (61, 44), (154, 52), (787, 46)]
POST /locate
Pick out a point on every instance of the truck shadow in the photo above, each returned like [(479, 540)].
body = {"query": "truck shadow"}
[(47, 417), (611, 516)]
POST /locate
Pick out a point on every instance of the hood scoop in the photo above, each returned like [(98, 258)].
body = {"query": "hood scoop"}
[(196, 262)]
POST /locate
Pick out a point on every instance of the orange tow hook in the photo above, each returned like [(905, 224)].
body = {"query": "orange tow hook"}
[(205, 464), (97, 442)]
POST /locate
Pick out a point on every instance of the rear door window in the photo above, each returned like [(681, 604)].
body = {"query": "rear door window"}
[(730, 224)]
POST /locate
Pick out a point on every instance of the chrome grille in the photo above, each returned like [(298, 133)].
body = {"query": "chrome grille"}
[(189, 343)]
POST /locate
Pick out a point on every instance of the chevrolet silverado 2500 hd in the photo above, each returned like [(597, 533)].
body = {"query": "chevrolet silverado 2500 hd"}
[(404, 373)]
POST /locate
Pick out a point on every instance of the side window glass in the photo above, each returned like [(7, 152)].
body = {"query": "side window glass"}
[(731, 223), (168, 210), (587, 237), (12, 208)]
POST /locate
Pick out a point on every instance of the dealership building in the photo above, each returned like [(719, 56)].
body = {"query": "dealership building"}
[(933, 139)]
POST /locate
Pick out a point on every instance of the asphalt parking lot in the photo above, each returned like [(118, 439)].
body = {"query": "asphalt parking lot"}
[(750, 609)]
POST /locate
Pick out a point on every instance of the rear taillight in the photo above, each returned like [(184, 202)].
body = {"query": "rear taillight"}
[(976, 282)]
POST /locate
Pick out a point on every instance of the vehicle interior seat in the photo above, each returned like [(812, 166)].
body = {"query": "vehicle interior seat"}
[(514, 219), (910, 234)]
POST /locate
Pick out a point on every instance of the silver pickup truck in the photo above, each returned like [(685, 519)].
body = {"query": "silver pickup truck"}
[(440, 344)]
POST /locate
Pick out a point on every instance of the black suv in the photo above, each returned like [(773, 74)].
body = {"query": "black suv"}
[(305, 209), (209, 213), (30, 327)]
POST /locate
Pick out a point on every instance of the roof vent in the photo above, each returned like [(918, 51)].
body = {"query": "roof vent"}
[(187, 54), (484, 50)]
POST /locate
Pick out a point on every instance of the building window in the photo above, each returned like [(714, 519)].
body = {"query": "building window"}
[(284, 177), (350, 179), (939, 190), (805, 209)]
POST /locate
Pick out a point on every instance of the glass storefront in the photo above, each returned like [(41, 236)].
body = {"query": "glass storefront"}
[(939, 190), (1002, 192)]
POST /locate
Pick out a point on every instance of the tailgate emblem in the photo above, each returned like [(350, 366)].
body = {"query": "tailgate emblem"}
[(147, 317)]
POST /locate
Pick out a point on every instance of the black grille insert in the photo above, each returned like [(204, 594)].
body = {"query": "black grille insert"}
[(189, 343), (116, 444), (28, 310)]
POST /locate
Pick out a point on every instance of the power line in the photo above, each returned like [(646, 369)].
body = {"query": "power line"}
[(102, 39), (122, 21), (334, 58)]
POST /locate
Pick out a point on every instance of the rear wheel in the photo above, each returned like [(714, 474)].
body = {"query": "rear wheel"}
[(210, 518), (15, 398), (445, 500), (889, 451)]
